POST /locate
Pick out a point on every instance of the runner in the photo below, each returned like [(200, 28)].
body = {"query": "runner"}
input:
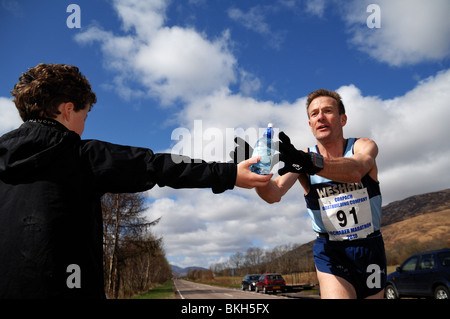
[(342, 193)]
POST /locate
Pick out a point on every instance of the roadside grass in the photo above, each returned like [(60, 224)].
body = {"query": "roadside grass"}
[(165, 291)]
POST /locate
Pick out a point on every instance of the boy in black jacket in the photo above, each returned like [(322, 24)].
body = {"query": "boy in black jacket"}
[(51, 182)]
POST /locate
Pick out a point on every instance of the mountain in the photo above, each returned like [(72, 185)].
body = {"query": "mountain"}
[(183, 271), (414, 206)]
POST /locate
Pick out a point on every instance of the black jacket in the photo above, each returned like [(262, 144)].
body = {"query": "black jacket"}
[(51, 183)]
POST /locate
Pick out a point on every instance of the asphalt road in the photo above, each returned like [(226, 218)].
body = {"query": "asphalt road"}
[(191, 290)]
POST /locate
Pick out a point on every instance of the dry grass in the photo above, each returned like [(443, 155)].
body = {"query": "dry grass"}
[(423, 232), (301, 278), (423, 228)]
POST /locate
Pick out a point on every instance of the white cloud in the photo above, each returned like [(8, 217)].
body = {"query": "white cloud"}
[(169, 63), (10, 118), (144, 17), (249, 83), (180, 63), (412, 31), (255, 20), (315, 7)]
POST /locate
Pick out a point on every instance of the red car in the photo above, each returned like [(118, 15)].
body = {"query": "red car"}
[(270, 282)]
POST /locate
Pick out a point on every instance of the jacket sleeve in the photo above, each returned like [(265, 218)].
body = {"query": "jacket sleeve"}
[(126, 169)]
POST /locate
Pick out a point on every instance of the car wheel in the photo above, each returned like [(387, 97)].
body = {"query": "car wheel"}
[(390, 292), (441, 292), (249, 287), (256, 289), (264, 290)]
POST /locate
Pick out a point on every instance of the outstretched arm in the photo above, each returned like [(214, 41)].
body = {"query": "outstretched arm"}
[(347, 170), (275, 189), (352, 169)]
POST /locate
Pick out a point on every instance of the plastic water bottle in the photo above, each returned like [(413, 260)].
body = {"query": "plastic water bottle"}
[(264, 148)]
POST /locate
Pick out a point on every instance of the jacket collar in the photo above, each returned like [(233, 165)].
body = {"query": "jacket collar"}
[(48, 122)]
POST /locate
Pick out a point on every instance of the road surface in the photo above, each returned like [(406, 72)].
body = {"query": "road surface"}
[(191, 290)]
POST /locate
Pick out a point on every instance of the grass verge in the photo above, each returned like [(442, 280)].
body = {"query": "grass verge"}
[(165, 291)]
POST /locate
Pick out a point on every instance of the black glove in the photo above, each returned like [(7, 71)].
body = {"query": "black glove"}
[(296, 161), (242, 151)]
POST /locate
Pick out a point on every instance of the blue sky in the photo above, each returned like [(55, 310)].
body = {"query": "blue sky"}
[(232, 67)]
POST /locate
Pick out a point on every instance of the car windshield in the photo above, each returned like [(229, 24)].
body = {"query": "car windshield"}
[(274, 277), (255, 277), (410, 264), (444, 258)]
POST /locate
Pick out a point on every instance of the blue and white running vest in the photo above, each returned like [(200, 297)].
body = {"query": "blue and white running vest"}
[(345, 211)]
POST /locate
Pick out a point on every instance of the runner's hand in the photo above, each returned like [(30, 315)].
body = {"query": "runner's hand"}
[(297, 161)]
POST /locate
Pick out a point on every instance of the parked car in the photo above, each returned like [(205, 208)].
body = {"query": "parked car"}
[(425, 274), (248, 282), (270, 282)]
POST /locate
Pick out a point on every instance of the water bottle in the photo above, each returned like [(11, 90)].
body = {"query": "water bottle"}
[(264, 148)]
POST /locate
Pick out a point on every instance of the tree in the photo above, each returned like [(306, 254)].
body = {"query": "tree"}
[(253, 256), (132, 255), (237, 260)]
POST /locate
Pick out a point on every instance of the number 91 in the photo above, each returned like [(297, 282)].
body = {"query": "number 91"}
[(342, 217)]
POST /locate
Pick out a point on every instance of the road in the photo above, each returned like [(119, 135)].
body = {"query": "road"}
[(191, 290)]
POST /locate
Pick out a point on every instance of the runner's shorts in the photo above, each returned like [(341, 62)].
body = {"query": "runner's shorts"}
[(361, 262)]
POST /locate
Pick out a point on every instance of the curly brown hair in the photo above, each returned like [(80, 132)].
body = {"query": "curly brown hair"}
[(44, 87), (324, 92)]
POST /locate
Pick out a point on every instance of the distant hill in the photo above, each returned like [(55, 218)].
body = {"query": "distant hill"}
[(183, 271), (414, 206)]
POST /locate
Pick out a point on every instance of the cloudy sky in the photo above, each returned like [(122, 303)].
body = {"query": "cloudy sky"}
[(187, 76)]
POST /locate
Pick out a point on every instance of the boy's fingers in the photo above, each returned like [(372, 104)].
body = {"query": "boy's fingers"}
[(252, 160)]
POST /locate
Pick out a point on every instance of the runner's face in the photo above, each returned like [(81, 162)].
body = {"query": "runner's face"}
[(324, 118)]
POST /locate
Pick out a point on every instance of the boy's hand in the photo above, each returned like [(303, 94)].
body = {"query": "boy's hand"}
[(246, 178)]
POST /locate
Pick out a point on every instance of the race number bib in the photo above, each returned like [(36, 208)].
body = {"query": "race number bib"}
[(347, 216)]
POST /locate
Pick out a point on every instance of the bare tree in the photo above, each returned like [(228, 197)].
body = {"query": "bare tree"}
[(131, 255), (237, 260), (253, 256)]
